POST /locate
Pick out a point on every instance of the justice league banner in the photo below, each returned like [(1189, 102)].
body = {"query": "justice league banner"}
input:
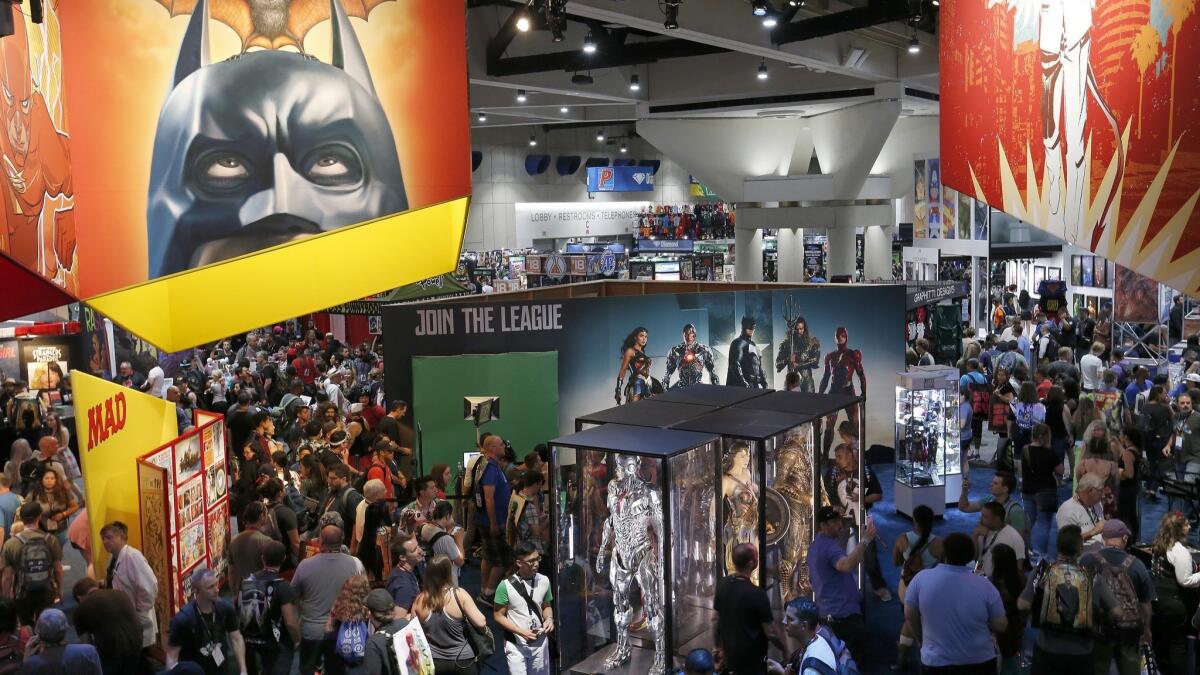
[(688, 338)]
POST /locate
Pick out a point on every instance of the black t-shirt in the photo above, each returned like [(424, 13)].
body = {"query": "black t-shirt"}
[(285, 521), (239, 424), (742, 609), (282, 594), (390, 427), (1158, 420), (1038, 472), (192, 631)]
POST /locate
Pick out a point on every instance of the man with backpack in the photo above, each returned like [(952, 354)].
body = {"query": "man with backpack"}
[(979, 394), (1000, 491), (246, 549), (1133, 590), (821, 652), (343, 498), (1065, 598), (523, 610), (438, 537), (206, 630), (270, 623), (380, 657), (953, 613), (33, 571)]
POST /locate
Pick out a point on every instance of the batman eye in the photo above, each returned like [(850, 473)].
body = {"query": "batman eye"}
[(333, 166), (222, 170)]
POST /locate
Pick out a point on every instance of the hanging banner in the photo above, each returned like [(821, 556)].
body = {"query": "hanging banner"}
[(114, 426), (1080, 118), (620, 179)]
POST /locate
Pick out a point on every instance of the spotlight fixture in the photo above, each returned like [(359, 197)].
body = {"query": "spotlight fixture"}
[(763, 73), (624, 148), (581, 78), (760, 7), (564, 110), (634, 83), (523, 21), (482, 117), (670, 9), (795, 3), (937, 3), (914, 45), (589, 44), (600, 136), (532, 141), (769, 21), (521, 96)]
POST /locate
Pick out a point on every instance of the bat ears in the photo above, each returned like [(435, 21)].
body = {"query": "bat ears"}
[(347, 52), (193, 51)]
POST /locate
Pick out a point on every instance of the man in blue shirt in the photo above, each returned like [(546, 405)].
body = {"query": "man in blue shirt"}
[(831, 571), (491, 510), (955, 612), (1023, 345), (9, 503), (1140, 383)]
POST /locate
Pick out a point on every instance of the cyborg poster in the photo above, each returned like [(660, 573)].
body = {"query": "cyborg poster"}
[(221, 130), (847, 337)]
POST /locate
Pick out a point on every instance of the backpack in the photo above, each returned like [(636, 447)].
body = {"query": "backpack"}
[(516, 508), (428, 545), (845, 662), (351, 642), (1063, 599), (255, 602), (914, 562), (981, 397), (1126, 627), (36, 563), (11, 654)]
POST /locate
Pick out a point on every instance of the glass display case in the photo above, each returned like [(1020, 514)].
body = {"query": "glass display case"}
[(768, 489), (928, 453), (635, 546)]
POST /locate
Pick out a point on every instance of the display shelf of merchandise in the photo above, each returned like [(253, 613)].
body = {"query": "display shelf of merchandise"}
[(928, 453), (625, 522)]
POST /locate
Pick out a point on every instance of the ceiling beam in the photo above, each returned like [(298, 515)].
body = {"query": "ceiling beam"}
[(626, 55), (876, 12), (508, 32)]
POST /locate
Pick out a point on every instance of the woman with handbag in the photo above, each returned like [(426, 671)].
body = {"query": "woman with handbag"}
[(913, 552), (457, 631)]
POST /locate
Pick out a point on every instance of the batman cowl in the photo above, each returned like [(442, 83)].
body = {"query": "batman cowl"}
[(266, 148)]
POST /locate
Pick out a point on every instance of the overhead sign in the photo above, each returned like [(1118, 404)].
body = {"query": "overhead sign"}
[(665, 245), (561, 220), (920, 296), (620, 179)]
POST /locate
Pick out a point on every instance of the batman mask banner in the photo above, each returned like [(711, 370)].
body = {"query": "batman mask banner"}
[(265, 148)]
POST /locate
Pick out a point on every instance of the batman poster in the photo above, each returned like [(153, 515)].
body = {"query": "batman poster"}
[(212, 129)]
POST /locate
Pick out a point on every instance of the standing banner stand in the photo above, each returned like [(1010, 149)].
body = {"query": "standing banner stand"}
[(183, 490)]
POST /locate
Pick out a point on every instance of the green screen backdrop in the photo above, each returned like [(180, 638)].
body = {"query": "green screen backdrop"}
[(526, 382)]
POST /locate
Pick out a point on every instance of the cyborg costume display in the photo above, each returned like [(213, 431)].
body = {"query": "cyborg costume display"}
[(745, 362), (794, 481), (841, 365), (266, 148), (800, 351), (691, 359), (634, 529)]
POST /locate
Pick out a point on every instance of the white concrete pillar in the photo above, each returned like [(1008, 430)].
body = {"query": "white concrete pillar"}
[(877, 252), (790, 266), (841, 251), (749, 263)]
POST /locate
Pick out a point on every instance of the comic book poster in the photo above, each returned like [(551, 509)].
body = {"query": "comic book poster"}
[(965, 211), (920, 200), (934, 182), (949, 213), (1080, 118)]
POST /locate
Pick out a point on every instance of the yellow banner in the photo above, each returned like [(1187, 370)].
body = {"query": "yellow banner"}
[(173, 313), (115, 426)]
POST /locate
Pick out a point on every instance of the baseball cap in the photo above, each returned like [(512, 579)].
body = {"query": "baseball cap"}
[(1115, 528), (802, 610), (699, 661), (52, 626), (826, 514), (356, 408), (1193, 377), (380, 601)]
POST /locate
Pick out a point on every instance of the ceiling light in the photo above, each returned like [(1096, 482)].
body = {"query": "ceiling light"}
[(532, 141), (624, 148), (914, 45), (671, 14), (523, 22), (600, 136), (760, 7), (769, 21), (634, 83), (762, 70), (936, 3), (589, 44), (482, 117), (521, 96), (563, 110), (581, 78)]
